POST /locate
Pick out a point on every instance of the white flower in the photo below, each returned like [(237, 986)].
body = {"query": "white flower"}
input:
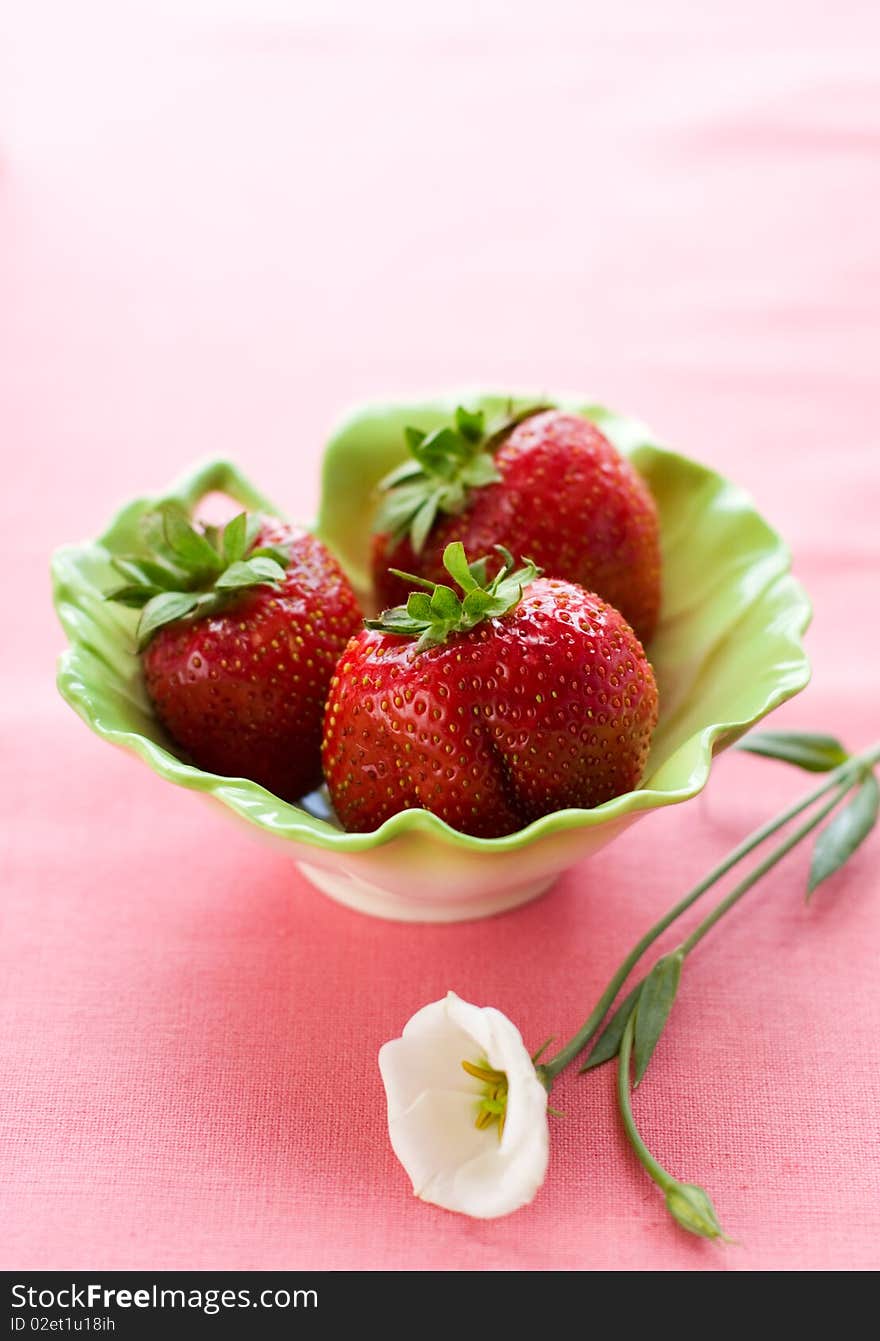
[(475, 1143)]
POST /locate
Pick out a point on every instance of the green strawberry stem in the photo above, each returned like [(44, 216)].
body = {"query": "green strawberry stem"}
[(841, 778), (432, 614), (191, 572), (443, 469)]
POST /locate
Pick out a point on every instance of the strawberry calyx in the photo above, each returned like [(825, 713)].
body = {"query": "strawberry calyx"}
[(191, 572), (436, 611), (444, 467)]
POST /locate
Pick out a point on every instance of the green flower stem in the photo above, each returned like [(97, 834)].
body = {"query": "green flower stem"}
[(843, 777), (687, 1203), (761, 869), (661, 1177)]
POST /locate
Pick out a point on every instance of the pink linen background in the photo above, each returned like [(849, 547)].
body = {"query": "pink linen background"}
[(219, 226)]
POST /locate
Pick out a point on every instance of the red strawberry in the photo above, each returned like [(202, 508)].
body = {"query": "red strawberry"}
[(548, 484), (241, 632), (527, 695)]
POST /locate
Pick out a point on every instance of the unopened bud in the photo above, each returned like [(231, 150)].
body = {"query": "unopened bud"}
[(691, 1207)]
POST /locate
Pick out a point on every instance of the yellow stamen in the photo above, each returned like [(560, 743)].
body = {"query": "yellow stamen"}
[(493, 1106), (484, 1073)]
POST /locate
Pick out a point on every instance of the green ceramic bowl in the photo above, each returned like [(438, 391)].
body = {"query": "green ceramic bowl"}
[(728, 650)]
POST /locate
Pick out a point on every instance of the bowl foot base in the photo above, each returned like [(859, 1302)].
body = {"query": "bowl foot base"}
[(377, 902)]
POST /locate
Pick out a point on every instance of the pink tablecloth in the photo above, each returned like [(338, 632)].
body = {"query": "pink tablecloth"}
[(217, 232)]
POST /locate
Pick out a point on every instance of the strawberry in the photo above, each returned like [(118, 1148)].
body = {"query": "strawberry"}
[(522, 696), (546, 483), (239, 632)]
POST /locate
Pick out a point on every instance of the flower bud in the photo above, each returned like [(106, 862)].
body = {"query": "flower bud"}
[(690, 1206)]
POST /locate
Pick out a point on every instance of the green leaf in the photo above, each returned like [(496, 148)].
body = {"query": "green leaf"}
[(456, 564), (441, 452), (203, 571), (280, 553), (690, 1206), (508, 591), (445, 466), (152, 526), (470, 424), (845, 833), (192, 549), (265, 568), (405, 471), (655, 1003), (500, 434), (400, 505), (150, 573), (413, 579), (414, 437), (433, 636), (164, 609), (479, 472), (477, 605), (397, 622), (608, 1043), (444, 603), (235, 538), (418, 606), (816, 753), (479, 571), (444, 612), (250, 573), (134, 597), (254, 526), (507, 563), (453, 497), (422, 523)]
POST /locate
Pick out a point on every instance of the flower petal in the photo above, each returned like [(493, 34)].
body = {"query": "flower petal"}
[(428, 1056), (433, 1138)]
